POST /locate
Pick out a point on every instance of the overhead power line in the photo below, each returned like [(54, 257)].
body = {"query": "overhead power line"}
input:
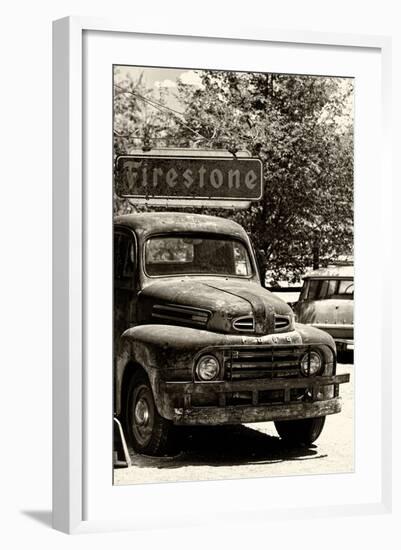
[(177, 114), (162, 107)]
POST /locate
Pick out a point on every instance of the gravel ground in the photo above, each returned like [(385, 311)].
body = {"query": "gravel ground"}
[(251, 450)]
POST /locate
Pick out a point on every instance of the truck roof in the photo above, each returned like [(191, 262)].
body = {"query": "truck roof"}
[(346, 271), (160, 222)]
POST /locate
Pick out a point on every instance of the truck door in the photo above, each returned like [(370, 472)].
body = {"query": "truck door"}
[(125, 282)]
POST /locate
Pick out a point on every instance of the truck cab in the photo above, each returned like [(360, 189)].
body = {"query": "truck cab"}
[(199, 341)]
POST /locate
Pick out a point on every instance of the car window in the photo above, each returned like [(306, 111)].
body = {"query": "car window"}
[(124, 259), (304, 290), (196, 255), (169, 250), (327, 288), (313, 289), (324, 289), (345, 288)]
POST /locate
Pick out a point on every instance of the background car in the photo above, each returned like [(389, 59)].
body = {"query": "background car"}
[(327, 302)]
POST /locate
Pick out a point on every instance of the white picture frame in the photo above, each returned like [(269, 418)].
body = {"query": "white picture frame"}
[(71, 226)]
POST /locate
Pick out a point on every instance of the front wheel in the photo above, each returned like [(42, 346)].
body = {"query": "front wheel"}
[(149, 432), (300, 432)]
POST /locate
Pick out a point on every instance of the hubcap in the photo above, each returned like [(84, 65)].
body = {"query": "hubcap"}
[(142, 412), (142, 415)]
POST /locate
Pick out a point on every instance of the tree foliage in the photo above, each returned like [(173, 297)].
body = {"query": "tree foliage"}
[(302, 129)]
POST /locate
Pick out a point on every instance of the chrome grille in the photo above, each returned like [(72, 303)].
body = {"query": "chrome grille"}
[(273, 362), (244, 324), (281, 323)]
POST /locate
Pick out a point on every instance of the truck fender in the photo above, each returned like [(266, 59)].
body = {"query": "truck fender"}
[(133, 354)]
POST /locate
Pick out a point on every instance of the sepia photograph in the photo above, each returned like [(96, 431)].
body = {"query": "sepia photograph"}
[(233, 275)]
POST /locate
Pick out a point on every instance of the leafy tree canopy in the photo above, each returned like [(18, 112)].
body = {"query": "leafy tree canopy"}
[(302, 129)]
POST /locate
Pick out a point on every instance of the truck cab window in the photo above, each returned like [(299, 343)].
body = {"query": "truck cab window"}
[(124, 259)]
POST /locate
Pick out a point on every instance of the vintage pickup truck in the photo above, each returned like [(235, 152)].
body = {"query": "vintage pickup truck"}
[(199, 341)]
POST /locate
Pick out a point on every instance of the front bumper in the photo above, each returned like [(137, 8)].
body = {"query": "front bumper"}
[(317, 396)]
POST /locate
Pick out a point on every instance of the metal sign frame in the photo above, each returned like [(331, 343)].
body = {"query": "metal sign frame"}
[(191, 200)]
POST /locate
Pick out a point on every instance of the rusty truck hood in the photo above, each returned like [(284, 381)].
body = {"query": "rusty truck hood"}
[(213, 304)]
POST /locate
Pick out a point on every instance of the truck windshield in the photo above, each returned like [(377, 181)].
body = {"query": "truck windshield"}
[(196, 255)]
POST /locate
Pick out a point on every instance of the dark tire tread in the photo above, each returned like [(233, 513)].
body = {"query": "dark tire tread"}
[(300, 432), (159, 443)]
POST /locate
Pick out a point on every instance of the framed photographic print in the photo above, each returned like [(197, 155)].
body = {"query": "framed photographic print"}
[(214, 208)]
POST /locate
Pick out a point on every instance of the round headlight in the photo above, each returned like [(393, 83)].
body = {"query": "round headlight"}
[(311, 363), (207, 368)]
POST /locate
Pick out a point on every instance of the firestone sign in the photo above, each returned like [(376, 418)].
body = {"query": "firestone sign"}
[(184, 177)]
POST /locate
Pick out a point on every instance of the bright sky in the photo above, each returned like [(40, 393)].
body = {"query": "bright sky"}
[(159, 77)]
